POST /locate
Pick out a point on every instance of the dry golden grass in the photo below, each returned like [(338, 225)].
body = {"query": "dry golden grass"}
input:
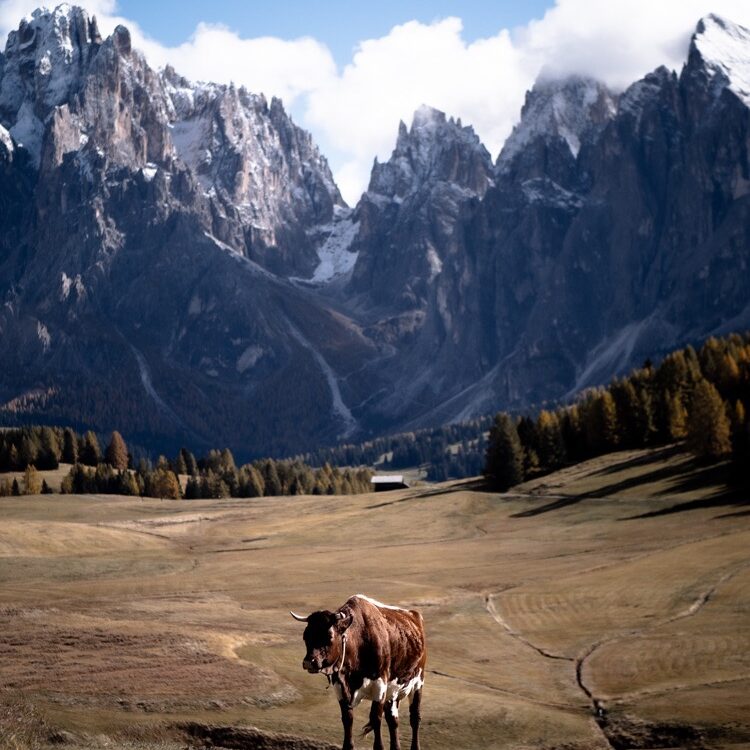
[(120, 617)]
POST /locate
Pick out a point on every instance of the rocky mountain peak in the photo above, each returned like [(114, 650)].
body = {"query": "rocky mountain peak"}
[(435, 149), (572, 109), (720, 56), (45, 59), (253, 159)]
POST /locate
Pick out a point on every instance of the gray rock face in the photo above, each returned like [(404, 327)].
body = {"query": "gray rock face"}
[(614, 229), (408, 215), (156, 235), (256, 163)]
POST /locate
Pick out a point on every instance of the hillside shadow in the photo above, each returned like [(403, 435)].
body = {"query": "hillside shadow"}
[(681, 478), (662, 474), (705, 476), (634, 463), (562, 502), (471, 485)]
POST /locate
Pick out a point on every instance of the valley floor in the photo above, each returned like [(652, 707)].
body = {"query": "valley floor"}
[(604, 606)]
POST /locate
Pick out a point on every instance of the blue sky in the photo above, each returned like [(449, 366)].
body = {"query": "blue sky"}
[(339, 25)]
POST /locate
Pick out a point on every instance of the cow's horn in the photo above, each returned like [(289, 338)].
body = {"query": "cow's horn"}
[(297, 617), (340, 615)]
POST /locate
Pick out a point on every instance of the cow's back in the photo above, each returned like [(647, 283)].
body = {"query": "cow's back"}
[(402, 630)]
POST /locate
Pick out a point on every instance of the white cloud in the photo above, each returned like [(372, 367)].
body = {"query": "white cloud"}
[(621, 40), (354, 113), (270, 65), (389, 78)]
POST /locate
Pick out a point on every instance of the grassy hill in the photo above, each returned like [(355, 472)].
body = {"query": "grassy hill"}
[(602, 606)]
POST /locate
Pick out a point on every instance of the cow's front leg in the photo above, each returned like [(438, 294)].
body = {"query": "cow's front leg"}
[(347, 719), (376, 716), (391, 719)]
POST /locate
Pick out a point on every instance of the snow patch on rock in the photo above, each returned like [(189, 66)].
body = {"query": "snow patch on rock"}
[(28, 132), (570, 108), (335, 254), (43, 335), (249, 358), (149, 171), (6, 140)]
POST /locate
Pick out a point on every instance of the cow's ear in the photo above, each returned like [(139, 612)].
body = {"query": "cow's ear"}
[(344, 618)]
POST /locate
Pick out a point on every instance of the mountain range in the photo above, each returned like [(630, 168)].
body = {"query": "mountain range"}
[(177, 262)]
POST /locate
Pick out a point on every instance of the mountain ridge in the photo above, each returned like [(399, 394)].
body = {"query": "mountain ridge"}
[(177, 259)]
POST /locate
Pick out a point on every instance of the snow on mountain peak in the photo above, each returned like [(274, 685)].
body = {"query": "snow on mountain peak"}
[(724, 48), (44, 60), (567, 107), (436, 147)]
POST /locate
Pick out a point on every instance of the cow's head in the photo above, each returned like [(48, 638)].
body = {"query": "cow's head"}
[(323, 638)]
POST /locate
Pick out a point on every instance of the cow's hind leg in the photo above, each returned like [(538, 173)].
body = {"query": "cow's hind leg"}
[(391, 719), (347, 719), (376, 716), (415, 717)]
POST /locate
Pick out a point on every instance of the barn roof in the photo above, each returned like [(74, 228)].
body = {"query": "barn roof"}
[(388, 479)]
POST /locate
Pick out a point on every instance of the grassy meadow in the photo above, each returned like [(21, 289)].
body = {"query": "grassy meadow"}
[(607, 605)]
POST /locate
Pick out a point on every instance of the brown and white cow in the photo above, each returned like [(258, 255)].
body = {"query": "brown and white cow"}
[(369, 650)]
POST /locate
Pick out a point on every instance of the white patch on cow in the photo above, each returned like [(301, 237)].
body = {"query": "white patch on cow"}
[(380, 604), (398, 691), (373, 690), (379, 691)]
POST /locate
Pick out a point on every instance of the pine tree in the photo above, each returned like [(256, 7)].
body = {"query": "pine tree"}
[(117, 452), (15, 489), (271, 479), (129, 484), (677, 417), (504, 462), (32, 482), (600, 420), (191, 464), (70, 447), (50, 453), (91, 454), (708, 429), (179, 465), (28, 453), (192, 489), (737, 417), (227, 460), (256, 485), (550, 441), (162, 483)]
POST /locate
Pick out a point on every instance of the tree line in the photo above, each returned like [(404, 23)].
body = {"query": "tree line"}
[(699, 397), (449, 452), (113, 471)]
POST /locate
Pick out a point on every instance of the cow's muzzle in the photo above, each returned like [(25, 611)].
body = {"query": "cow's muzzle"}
[(311, 666)]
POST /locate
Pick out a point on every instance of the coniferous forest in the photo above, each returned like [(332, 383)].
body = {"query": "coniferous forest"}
[(111, 470), (699, 397)]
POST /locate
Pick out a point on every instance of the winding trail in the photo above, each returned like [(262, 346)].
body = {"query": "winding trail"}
[(489, 605), (597, 704), (504, 691)]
